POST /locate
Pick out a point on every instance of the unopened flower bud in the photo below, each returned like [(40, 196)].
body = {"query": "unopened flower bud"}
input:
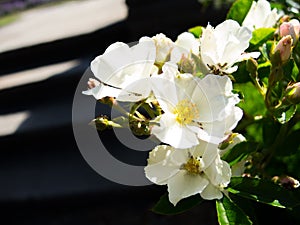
[(92, 83), (285, 18), (101, 123), (231, 141), (251, 66), (284, 47), (290, 28), (286, 181), (164, 45), (139, 128), (292, 93), (109, 101), (186, 65)]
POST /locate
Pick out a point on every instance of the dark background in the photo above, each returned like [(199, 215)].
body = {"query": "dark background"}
[(43, 177)]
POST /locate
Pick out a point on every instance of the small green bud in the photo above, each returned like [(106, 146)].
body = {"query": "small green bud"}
[(251, 66), (139, 128), (102, 123), (292, 93)]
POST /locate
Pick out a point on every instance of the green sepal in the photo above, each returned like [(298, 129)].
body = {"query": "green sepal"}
[(196, 31)]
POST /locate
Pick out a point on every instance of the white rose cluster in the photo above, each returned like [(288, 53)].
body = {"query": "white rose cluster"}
[(188, 78)]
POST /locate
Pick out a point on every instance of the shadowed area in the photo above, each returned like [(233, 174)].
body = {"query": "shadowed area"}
[(43, 55)]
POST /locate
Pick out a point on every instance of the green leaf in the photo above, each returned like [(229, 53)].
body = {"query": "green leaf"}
[(254, 132), (260, 36), (196, 31), (165, 207), (241, 75), (246, 205), (230, 214), (265, 49), (290, 71), (270, 131), (239, 152), (239, 10), (263, 191), (284, 115), (264, 69), (291, 144), (254, 108)]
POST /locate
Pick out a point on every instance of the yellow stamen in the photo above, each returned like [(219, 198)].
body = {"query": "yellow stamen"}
[(185, 112), (192, 166)]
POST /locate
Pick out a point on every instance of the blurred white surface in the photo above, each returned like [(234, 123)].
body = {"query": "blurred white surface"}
[(10, 123), (59, 21), (35, 75)]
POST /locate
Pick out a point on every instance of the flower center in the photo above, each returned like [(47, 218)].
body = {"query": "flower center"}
[(185, 112), (192, 166), (218, 69)]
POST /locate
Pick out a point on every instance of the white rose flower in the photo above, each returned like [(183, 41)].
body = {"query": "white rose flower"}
[(188, 41), (164, 46), (223, 46), (193, 108), (260, 15), (186, 45), (123, 71), (167, 50), (232, 140), (198, 170)]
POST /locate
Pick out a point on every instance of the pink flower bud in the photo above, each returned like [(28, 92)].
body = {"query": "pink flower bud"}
[(290, 28), (284, 46), (92, 83), (296, 25), (286, 181), (285, 29)]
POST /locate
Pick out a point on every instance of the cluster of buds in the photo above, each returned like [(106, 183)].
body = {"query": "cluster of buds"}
[(289, 33), (290, 28)]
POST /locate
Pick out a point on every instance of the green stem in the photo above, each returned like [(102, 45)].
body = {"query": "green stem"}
[(260, 89), (123, 111), (269, 153), (150, 112), (247, 121)]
